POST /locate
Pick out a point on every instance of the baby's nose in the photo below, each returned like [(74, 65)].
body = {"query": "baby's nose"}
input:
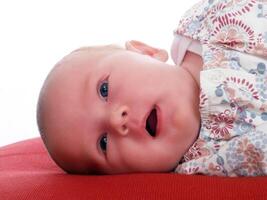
[(119, 119)]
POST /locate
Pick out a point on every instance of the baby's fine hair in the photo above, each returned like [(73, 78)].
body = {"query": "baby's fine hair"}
[(102, 50)]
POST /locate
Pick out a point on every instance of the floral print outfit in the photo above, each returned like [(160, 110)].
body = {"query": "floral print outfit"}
[(233, 88)]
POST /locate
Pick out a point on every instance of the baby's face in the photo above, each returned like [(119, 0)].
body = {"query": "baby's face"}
[(120, 113)]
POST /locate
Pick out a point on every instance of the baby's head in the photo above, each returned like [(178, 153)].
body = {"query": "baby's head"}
[(110, 110)]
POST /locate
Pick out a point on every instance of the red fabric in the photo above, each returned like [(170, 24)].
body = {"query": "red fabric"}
[(27, 172)]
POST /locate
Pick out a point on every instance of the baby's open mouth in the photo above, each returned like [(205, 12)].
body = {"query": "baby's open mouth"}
[(151, 122)]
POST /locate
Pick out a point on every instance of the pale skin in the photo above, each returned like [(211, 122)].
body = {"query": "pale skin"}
[(89, 131)]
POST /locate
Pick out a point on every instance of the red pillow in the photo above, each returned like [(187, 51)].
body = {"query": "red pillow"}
[(27, 172)]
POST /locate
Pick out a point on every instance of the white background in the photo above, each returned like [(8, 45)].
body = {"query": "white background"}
[(35, 34)]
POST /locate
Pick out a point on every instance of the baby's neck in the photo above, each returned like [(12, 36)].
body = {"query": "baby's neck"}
[(193, 63)]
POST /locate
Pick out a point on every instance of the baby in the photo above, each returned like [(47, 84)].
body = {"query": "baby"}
[(110, 110)]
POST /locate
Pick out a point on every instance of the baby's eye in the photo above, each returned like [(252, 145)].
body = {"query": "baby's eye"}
[(103, 90), (103, 143)]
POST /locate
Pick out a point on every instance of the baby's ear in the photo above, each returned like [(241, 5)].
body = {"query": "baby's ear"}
[(142, 48)]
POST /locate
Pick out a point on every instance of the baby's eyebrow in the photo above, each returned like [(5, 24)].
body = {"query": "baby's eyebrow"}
[(94, 154), (88, 89), (92, 157), (98, 163)]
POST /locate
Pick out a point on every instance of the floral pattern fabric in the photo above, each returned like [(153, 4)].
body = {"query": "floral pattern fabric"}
[(233, 98)]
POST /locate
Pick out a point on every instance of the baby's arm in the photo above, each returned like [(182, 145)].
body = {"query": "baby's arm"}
[(244, 155)]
